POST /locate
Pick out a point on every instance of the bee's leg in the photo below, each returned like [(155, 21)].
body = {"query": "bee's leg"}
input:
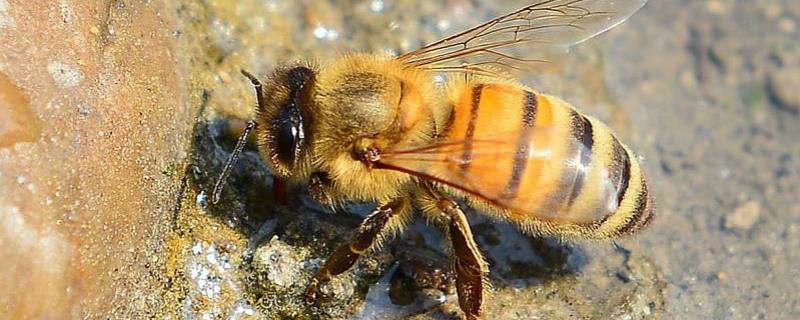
[(367, 234), (279, 191), (319, 187), (470, 268)]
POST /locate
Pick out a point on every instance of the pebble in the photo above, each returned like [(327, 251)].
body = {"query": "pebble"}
[(744, 217), (772, 10), (783, 88), (280, 263), (715, 7), (787, 25)]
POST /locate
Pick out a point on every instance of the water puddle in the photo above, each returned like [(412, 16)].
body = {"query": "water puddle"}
[(381, 303)]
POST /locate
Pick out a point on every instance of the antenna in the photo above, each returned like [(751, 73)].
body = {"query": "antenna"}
[(226, 171), (256, 85), (251, 125)]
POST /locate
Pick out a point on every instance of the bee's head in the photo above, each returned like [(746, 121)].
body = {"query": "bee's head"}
[(283, 117)]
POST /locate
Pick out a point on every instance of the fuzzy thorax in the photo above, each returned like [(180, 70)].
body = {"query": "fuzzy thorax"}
[(368, 101)]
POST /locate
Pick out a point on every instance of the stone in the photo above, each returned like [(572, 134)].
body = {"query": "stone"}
[(782, 87), (744, 217)]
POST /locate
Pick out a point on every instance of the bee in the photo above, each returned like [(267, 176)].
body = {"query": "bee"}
[(369, 127)]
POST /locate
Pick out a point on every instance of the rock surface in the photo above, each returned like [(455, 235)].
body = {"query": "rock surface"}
[(93, 107)]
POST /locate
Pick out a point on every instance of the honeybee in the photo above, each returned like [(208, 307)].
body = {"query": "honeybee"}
[(369, 127)]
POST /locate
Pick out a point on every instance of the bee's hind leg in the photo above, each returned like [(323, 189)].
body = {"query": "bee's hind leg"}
[(368, 234)]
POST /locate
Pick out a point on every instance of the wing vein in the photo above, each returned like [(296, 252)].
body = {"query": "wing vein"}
[(544, 30)]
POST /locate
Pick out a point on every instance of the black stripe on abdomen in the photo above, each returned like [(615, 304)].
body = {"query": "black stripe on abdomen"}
[(642, 213), (619, 169), (466, 155), (530, 105)]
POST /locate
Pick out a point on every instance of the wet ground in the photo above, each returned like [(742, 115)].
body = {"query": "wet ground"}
[(704, 90), (719, 130)]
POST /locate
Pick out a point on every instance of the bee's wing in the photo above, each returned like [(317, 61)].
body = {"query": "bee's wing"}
[(531, 38), (538, 176)]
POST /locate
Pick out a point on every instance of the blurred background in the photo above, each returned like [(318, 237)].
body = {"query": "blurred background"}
[(117, 116)]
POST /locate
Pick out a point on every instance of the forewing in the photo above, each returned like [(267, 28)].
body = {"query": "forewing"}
[(566, 170), (531, 38)]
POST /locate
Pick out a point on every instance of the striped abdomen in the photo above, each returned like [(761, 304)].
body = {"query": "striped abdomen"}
[(541, 163)]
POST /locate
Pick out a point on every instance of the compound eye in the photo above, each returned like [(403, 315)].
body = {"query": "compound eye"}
[(289, 136)]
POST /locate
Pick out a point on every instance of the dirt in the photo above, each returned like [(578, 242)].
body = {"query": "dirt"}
[(704, 91)]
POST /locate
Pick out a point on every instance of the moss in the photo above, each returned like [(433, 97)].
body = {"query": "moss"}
[(754, 98), (169, 169)]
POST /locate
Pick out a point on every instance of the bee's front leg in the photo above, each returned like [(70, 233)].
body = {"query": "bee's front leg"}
[(366, 237), (319, 187)]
